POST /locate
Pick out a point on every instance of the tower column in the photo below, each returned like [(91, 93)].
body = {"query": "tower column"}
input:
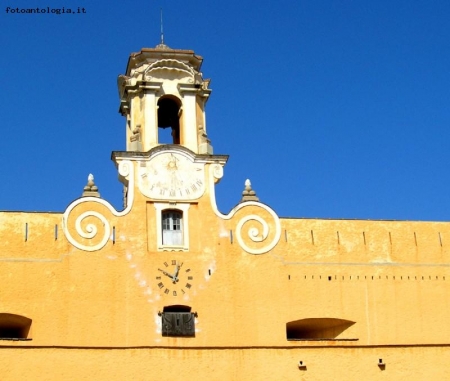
[(189, 138), (150, 128)]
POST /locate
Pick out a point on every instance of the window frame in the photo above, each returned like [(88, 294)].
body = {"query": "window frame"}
[(182, 208)]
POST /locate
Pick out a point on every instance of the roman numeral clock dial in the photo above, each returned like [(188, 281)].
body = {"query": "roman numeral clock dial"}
[(171, 176), (174, 278)]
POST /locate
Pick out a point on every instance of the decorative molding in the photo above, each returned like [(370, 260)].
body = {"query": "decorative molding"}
[(136, 134), (171, 65), (257, 235), (91, 230), (217, 173)]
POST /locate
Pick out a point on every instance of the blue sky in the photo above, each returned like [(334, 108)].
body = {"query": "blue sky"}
[(333, 109)]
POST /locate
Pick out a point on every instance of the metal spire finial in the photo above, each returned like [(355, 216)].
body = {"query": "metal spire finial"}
[(162, 45), (162, 30)]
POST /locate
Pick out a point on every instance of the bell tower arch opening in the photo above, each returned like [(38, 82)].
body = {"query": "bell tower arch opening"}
[(163, 96), (169, 120)]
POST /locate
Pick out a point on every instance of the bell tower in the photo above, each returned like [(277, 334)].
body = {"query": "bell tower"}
[(163, 97), (169, 158)]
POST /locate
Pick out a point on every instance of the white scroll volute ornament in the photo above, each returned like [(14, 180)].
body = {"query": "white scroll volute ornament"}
[(217, 171), (101, 226), (266, 234)]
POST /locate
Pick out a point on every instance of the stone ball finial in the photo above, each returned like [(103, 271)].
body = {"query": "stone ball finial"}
[(248, 194), (90, 190)]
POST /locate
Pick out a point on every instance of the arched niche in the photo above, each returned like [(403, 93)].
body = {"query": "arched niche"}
[(317, 328), (14, 327)]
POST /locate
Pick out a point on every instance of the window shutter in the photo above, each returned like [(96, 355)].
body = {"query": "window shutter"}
[(178, 324), (172, 233)]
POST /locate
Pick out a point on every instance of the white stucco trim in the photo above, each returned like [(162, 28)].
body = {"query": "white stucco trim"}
[(254, 234), (91, 230)]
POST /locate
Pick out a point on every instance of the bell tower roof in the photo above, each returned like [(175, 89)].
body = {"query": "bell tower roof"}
[(160, 52)]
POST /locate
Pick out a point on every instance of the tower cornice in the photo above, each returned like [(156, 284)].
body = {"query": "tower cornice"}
[(137, 155), (149, 55)]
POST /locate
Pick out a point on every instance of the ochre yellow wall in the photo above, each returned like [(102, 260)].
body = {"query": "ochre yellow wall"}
[(166, 364), (95, 313)]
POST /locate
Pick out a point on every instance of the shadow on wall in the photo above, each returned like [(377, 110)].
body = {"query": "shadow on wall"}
[(14, 327), (316, 328)]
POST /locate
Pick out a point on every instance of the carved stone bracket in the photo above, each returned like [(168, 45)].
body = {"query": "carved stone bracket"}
[(136, 134)]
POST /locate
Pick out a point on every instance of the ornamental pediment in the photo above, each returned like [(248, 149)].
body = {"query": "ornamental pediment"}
[(170, 65), (163, 70)]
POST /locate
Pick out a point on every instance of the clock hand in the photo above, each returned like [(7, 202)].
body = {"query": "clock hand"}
[(166, 273), (177, 269), (175, 275)]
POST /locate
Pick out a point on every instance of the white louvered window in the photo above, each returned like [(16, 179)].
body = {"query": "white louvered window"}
[(172, 233)]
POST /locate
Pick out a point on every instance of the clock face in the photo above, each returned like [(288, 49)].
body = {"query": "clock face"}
[(171, 176), (174, 278)]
